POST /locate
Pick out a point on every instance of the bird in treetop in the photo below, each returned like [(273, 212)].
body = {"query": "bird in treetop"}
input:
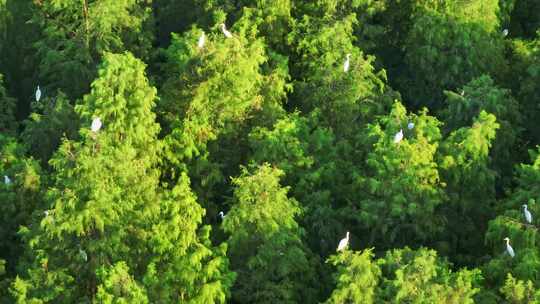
[(225, 31), (96, 125), (202, 40), (398, 137), (347, 63), (38, 93), (509, 248), (343, 243), (527, 214)]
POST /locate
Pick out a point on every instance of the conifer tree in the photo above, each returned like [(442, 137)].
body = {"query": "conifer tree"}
[(464, 162), (207, 89), (449, 44), (212, 96), (481, 94), (308, 154), (266, 247), (519, 292), (399, 189), (357, 277), (512, 223), (320, 45), (108, 217), (272, 18), (77, 33), (420, 276), (21, 200)]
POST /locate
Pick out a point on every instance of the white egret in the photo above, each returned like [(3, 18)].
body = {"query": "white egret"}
[(343, 243), (410, 126), (96, 125), (83, 255), (202, 40), (505, 32), (347, 63), (225, 31), (46, 212), (399, 136), (527, 213), (7, 180), (221, 214), (38, 93), (509, 248)]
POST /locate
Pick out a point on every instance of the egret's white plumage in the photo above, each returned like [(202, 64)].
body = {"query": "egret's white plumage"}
[(38, 93), (7, 180), (505, 32), (221, 214), (527, 213), (347, 63), (225, 31), (399, 136), (509, 248), (96, 125), (343, 243), (410, 126), (202, 40), (46, 212), (83, 255)]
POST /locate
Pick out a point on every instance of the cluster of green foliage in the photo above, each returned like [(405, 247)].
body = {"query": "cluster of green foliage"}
[(228, 169)]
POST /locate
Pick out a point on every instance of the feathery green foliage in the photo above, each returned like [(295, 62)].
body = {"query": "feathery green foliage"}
[(239, 141)]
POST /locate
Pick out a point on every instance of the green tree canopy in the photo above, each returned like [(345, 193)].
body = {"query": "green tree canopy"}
[(419, 276), (357, 277), (106, 207), (448, 46), (75, 36), (265, 242), (399, 188), (21, 198), (470, 186), (511, 223)]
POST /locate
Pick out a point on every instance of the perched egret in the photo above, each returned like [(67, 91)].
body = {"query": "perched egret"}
[(7, 180), (96, 125), (347, 63), (38, 93), (46, 212), (509, 248), (202, 40), (83, 255), (527, 213), (505, 32), (225, 31), (399, 136), (410, 126), (221, 214), (343, 243)]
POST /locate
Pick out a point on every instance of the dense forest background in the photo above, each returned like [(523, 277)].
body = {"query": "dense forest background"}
[(241, 140)]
